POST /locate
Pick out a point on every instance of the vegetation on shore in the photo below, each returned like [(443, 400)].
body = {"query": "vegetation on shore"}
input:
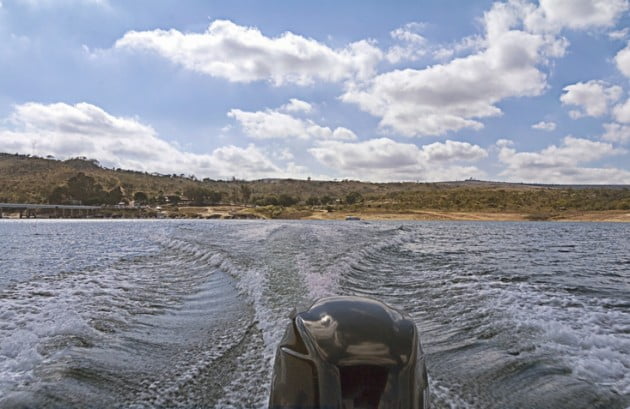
[(26, 179)]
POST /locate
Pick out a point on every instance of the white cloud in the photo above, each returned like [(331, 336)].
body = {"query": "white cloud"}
[(561, 164), (616, 133), (409, 33), (545, 126), (270, 124), (384, 159), (474, 43), (413, 45), (397, 53), (296, 105), (619, 34), (244, 54), (456, 95), (623, 60), (578, 14), (594, 97), (284, 154), (380, 153), (340, 134), (452, 150), (83, 129), (450, 97), (520, 38), (621, 112)]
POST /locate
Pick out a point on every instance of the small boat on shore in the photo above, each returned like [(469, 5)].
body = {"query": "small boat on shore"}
[(353, 218)]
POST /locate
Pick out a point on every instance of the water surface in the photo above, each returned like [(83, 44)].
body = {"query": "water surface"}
[(152, 314)]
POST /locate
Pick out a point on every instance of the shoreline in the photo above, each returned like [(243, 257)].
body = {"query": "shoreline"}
[(227, 212), (241, 212), (435, 215)]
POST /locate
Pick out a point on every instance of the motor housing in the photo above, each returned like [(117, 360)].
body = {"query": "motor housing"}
[(350, 352)]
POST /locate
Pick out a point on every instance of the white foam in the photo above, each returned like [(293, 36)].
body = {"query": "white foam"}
[(42, 319), (584, 334), (446, 396), (252, 283)]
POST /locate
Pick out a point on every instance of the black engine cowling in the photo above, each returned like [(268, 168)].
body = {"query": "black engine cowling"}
[(347, 353)]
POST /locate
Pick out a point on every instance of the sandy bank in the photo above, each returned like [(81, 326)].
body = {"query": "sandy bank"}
[(249, 212), (595, 216), (230, 212)]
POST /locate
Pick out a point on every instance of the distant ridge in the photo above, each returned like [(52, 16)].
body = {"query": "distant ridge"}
[(30, 179), (489, 183)]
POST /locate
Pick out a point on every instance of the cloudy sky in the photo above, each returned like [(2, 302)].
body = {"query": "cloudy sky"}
[(523, 91)]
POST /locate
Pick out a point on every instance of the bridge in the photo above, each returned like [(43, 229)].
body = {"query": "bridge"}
[(29, 210)]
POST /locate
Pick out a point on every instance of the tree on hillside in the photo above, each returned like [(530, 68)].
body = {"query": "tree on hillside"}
[(160, 198), (140, 198), (174, 199), (202, 196), (114, 196), (79, 188), (246, 193), (353, 197), (266, 200), (59, 195), (214, 197), (197, 195), (287, 200), (326, 200), (312, 201), (85, 189)]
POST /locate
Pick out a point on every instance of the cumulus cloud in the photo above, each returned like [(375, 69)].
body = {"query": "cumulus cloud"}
[(409, 33), (384, 159), (269, 124), (506, 61), (561, 164), (576, 14), (412, 44), (244, 54), (83, 129), (380, 153), (284, 154), (452, 151), (594, 97), (274, 124), (616, 133), (619, 34), (622, 112), (622, 59), (296, 105), (544, 126), (455, 95), (473, 43)]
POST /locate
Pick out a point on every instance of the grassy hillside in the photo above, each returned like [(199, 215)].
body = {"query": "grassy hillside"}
[(25, 179)]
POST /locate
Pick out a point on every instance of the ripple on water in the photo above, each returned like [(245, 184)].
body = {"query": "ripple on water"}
[(187, 314)]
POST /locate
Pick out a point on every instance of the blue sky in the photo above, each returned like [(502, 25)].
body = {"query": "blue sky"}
[(520, 91)]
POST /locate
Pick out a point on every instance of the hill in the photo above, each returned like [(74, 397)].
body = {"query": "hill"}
[(26, 179)]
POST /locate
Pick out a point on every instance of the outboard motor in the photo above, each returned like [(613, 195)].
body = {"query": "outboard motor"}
[(347, 353)]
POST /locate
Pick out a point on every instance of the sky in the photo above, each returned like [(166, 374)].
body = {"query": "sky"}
[(411, 90)]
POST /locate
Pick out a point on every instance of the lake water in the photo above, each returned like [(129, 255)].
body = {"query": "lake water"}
[(154, 314)]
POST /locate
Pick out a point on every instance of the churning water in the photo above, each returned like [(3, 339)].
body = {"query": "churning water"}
[(153, 314)]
